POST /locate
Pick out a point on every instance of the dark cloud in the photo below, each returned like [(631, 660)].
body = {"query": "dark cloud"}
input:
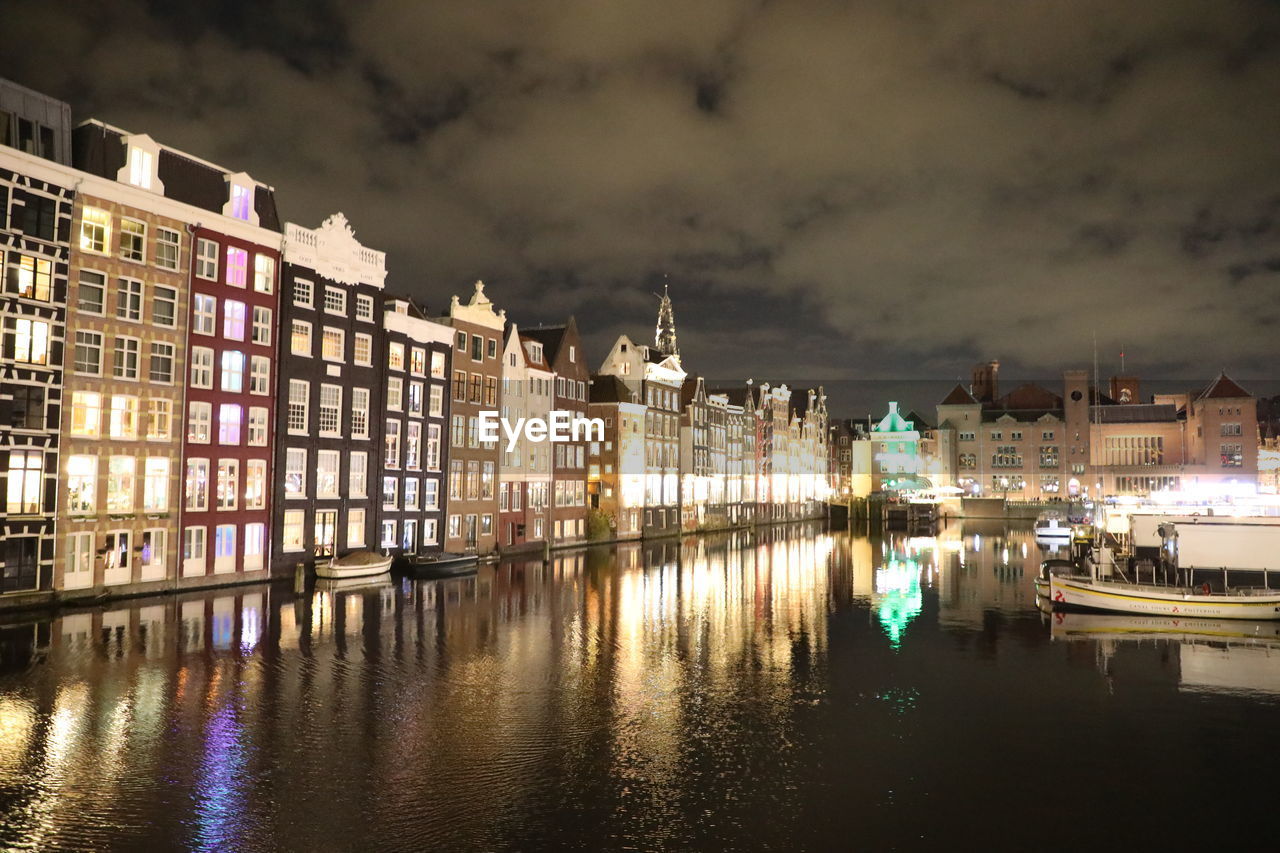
[(833, 189)]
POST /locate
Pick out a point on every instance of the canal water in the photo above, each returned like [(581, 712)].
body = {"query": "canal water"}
[(793, 688)]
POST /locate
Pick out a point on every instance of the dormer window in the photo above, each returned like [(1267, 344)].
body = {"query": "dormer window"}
[(240, 202), (140, 166)]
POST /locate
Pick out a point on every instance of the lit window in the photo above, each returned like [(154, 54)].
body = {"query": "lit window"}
[(391, 457), (255, 484), (327, 462), (418, 361), (227, 489), (133, 240), (206, 259), (437, 365), (196, 489), (95, 230), (255, 544), (237, 266), (159, 418), (82, 485), (233, 371), (224, 549), (363, 352), (155, 484), (27, 341), (359, 412), (140, 168), (122, 421), (295, 472), (264, 274), (332, 344), (26, 477), (395, 356), (292, 536), (86, 413), (358, 477), (390, 492), (120, 484), (229, 416), (355, 528), (28, 277), (257, 429), (300, 338), (233, 315), (241, 201)]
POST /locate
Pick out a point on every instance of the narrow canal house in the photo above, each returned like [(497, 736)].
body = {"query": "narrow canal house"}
[(616, 465), (414, 455), (562, 347), (231, 358), (36, 193), (538, 402), (125, 368), (472, 495), (329, 397), (514, 465)]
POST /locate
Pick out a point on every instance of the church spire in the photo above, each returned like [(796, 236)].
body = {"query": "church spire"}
[(665, 333)]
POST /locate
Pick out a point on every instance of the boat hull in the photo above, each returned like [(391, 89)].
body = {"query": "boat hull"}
[(445, 567), (337, 569), (1122, 598)]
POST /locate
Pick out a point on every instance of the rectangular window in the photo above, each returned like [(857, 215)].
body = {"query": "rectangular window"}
[(199, 422), (490, 391), (129, 300), (459, 386), (291, 539), (388, 534), (358, 477), (224, 548), (82, 485), (201, 367), (120, 484), (88, 354), (433, 447), (204, 314), (259, 375), (391, 455), (232, 372), (390, 492), (330, 414), (300, 338), (415, 398), (229, 416), (91, 295), (159, 419), (299, 403), (332, 343), (164, 306), (262, 325), (168, 248), (477, 383), (359, 412), (27, 341), (264, 273), (395, 356), (122, 421), (237, 266), (133, 240), (257, 429), (395, 393), (477, 348), (233, 316), (1232, 455), (95, 231), (125, 360), (327, 462), (363, 354), (355, 528), (295, 472), (80, 558), (431, 493), (255, 484), (303, 294), (437, 365), (160, 365), (430, 531), (255, 545), (335, 301), (455, 479), (418, 361), (435, 408), (26, 476), (413, 446), (155, 484), (206, 259), (458, 431), (364, 307), (28, 277)]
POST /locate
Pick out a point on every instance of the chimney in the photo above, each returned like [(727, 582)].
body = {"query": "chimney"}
[(985, 387)]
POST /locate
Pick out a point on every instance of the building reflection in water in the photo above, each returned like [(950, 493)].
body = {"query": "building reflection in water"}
[(223, 719)]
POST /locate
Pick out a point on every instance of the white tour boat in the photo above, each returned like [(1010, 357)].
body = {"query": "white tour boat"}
[(1052, 526), (358, 564), (1118, 597)]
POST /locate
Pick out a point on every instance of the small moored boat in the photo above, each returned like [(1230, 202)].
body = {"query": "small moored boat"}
[(357, 564), (1052, 567), (443, 565), (1052, 526)]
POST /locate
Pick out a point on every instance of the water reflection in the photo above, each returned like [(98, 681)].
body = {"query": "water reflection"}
[(712, 691)]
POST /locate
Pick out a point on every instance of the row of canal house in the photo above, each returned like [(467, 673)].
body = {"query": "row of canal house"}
[(194, 392)]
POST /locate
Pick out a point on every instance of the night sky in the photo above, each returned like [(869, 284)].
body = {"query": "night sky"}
[(833, 190)]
